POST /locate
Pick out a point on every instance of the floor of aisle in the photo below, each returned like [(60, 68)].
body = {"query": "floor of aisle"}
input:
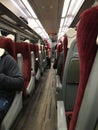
[(39, 112)]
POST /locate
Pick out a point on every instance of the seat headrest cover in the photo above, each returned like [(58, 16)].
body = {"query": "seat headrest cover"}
[(1, 51), (28, 41), (11, 37), (71, 32), (71, 35)]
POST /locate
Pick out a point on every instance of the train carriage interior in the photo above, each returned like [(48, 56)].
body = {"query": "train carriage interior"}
[(55, 46)]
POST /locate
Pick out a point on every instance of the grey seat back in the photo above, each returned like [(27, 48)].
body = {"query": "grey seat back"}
[(71, 77)]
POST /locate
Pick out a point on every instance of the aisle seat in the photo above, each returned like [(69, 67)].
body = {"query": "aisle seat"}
[(68, 89), (70, 80), (42, 58), (59, 77), (68, 40), (35, 49), (86, 36), (23, 53), (32, 66), (37, 69), (16, 105), (85, 113), (71, 77)]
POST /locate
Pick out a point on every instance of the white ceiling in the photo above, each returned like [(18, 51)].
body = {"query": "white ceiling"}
[(49, 13)]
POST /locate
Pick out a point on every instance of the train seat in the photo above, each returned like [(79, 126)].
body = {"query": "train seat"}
[(44, 57), (69, 82), (37, 67), (59, 76), (86, 36), (59, 49), (16, 105), (71, 77), (85, 113), (90, 97), (62, 58), (32, 65), (61, 63), (41, 65), (23, 53), (71, 35), (34, 48)]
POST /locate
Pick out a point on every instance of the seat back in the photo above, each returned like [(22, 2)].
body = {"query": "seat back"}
[(32, 58), (86, 36), (32, 68), (65, 42), (23, 49), (44, 57), (71, 77), (41, 65), (89, 106)]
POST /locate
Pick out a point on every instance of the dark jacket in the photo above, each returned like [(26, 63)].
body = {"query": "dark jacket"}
[(11, 79)]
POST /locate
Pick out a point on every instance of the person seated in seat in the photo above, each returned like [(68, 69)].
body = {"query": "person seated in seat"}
[(11, 80), (48, 57)]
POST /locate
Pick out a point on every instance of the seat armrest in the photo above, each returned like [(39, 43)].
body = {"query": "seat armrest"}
[(13, 112), (38, 74), (31, 86), (58, 88), (61, 118), (58, 83)]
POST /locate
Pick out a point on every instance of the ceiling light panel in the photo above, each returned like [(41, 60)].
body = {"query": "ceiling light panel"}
[(28, 7), (70, 9), (65, 7)]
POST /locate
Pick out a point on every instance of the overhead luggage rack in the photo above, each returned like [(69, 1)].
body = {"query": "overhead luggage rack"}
[(8, 17)]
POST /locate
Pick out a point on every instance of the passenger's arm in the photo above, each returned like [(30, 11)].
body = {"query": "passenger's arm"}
[(11, 79)]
